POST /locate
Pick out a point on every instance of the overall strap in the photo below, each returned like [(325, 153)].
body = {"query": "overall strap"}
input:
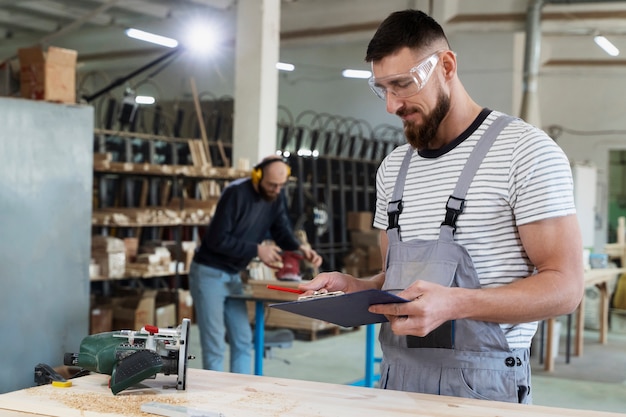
[(394, 208), (456, 202)]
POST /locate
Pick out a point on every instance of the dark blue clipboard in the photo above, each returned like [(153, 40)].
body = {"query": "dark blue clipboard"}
[(347, 310)]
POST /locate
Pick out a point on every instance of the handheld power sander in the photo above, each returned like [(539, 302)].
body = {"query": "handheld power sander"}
[(289, 268), (132, 356)]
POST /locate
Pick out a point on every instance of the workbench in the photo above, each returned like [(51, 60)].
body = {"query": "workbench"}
[(593, 277), (237, 395)]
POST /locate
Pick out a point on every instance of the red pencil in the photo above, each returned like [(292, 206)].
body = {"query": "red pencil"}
[(286, 289)]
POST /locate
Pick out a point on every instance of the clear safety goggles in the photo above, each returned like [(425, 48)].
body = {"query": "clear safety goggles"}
[(407, 84)]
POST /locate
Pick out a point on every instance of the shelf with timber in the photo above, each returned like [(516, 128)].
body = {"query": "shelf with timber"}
[(153, 216), (103, 164), (132, 274)]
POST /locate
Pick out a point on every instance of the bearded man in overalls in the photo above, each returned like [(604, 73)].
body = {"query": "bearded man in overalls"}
[(478, 227)]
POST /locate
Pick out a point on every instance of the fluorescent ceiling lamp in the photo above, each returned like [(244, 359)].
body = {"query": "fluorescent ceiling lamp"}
[(151, 37), (144, 100), (350, 73), (606, 44), (282, 66)]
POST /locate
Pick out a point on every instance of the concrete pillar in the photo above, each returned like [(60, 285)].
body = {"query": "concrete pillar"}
[(256, 79)]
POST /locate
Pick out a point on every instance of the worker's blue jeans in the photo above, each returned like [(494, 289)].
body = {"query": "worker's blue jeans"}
[(218, 315)]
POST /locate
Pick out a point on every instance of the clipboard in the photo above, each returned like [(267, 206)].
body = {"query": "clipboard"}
[(347, 310)]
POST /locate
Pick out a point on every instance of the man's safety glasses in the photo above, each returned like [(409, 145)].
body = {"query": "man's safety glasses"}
[(408, 84)]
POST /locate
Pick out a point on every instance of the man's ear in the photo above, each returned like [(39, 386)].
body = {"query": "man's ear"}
[(448, 61)]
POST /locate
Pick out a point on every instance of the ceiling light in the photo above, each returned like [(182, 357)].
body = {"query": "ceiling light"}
[(350, 73), (202, 38), (282, 66), (145, 100), (151, 37), (606, 44)]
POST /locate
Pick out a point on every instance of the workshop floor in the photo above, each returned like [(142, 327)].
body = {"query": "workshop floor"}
[(595, 381)]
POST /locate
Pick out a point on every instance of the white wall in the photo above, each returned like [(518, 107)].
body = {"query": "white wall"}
[(591, 100)]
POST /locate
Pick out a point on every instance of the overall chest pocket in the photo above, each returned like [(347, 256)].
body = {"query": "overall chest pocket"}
[(403, 273)]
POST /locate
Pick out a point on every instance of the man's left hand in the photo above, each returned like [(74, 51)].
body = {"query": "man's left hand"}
[(430, 306), (310, 255)]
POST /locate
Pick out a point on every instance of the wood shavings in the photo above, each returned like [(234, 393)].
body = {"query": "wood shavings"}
[(126, 404)]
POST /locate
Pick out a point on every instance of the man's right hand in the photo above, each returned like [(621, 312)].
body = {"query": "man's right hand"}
[(269, 254)]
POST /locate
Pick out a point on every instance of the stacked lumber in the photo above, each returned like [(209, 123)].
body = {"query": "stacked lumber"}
[(103, 163), (153, 216), (109, 253), (155, 263)]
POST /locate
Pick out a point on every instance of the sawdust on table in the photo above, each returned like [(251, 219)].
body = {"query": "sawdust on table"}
[(126, 405)]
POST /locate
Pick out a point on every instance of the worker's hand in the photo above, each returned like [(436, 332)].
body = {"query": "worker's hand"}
[(335, 281), (310, 255), (269, 254), (431, 306)]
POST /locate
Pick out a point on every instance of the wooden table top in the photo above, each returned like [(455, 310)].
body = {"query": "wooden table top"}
[(599, 275), (236, 395)]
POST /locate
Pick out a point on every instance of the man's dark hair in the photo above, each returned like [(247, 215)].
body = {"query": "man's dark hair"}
[(407, 28)]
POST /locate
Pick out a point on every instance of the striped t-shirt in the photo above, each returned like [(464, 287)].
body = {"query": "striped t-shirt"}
[(525, 177)]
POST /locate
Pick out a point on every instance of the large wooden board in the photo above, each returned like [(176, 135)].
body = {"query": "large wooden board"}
[(236, 395)]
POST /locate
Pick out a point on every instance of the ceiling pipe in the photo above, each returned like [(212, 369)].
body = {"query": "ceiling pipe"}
[(581, 1), (532, 53)]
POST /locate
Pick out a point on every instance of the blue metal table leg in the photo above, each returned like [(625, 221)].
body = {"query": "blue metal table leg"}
[(259, 336), (370, 339)]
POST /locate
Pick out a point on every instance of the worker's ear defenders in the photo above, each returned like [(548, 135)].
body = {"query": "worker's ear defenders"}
[(257, 172)]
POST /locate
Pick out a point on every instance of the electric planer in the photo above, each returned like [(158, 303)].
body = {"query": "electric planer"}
[(131, 356)]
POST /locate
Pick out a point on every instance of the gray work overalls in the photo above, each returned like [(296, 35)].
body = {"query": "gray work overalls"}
[(463, 358)]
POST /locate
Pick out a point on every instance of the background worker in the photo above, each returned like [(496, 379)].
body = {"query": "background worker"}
[(480, 268), (248, 210)]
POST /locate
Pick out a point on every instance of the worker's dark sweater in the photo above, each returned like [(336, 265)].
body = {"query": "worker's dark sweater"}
[(242, 220)]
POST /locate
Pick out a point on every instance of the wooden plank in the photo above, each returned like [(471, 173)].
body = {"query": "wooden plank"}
[(166, 190), (203, 190), (193, 152), (196, 102), (205, 159), (143, 200)]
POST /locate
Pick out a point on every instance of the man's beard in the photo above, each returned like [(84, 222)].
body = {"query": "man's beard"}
[(265, 195), (422, 137)]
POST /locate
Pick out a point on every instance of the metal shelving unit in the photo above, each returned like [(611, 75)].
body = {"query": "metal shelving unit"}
[(335, 161)]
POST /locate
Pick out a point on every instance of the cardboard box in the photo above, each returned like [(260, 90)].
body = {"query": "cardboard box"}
[(360, 220), (50, 75), (133, 311), (165, 309), (185, 306), (101, 319), (165, 316), (374, 259), (364, 238)]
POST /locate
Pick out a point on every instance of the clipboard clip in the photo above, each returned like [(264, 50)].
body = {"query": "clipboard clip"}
[(322, 294)]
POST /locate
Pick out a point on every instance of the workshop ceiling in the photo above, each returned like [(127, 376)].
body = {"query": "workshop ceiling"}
[(95, 28)]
